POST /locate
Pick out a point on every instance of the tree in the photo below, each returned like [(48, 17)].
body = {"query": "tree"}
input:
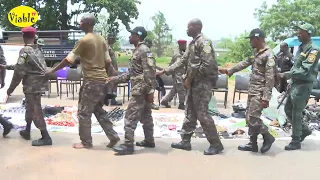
[(102, 25), (280, 20), (160, 35), (54, 15)]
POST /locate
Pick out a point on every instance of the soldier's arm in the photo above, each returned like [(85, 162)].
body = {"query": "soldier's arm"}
[(240, 66), (178, 64), (20, 71), (306, 65), (149, 71), (174, 59), (4, 63), (122, 78), (270, 78)]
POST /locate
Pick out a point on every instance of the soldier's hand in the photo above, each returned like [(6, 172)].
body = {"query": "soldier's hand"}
[(149, 98), (264, 104), (280, 75), (109, 79), (223, 71), (159, 73)]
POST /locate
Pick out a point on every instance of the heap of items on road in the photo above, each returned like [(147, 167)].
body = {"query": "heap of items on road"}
[(64, 119)]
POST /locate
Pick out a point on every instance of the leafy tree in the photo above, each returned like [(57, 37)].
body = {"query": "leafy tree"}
[(280, 20), (54, 15), (160, 35)]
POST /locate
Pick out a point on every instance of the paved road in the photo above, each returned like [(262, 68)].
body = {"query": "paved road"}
[(20, 161)]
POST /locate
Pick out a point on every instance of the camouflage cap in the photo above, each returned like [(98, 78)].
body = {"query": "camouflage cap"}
[(257, 33), (40, 42), (307, 27)]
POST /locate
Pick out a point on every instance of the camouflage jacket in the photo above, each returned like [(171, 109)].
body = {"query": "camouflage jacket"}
[(179, 72), (141, 71), (30, 69), (3, 62), (262, 78), (200, 61)]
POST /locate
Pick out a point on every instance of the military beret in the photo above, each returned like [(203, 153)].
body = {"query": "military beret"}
[(29, 29), (182, 41)]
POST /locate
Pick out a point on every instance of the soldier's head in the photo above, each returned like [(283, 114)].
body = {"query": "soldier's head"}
[(305, 32), (257, 38), (182, 45), (111, 39), (194, 27), (148, 42), (29, 35), (138, 34), (87, 22), (284, 47)]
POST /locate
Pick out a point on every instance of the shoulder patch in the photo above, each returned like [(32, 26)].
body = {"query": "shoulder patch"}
[(23, 55), (271, 61), (206, 46), (205, 42), (149, 54), (312, 56)]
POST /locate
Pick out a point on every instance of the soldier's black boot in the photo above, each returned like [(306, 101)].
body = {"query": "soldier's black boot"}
[(113, 142), (305, 132), (214, 149), (7, 126), (184, 144), (181, 106), (146, 144), (44, 141), (114, 102), (155, 107), (294, 144), (124, 149), (251, 146), (268, 140), (165, 104), (25, 134)]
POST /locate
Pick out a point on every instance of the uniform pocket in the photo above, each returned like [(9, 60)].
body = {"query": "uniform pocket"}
[(137, 86)]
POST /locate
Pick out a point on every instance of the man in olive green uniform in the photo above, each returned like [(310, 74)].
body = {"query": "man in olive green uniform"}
[(142, 75), (284, 62), (262, 81), (202, 74), (114, 87), (178, 87), (303, 73), (31, 69), (94, 60)]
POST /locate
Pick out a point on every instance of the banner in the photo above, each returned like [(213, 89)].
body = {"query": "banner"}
[(11, 53)]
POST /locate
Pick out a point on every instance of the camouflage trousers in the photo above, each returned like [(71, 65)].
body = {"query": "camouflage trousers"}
[(138, 111), (34, 110), (197, 100), (297, 100), (253, 113), (91, 96), (177, 88), (115, 86)]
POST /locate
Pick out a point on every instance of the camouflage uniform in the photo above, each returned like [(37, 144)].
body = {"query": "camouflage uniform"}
[(142, 75), (260, 87), (93, 89), (202, 74), (303, 73), (284, 63), (177, 82), (7, 126)]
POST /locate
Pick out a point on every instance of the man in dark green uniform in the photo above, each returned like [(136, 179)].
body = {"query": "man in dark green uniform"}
[(302, 74)]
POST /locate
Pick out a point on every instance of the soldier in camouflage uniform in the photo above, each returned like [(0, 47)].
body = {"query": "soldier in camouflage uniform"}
[(201, 77), (7, 126), (262, 81), (31, 70), (111, 41), (284, 62), (142, 75), (303, 73), (94, 60), (177, 79)]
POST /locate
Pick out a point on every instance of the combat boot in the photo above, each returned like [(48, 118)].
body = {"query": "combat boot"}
[(113, 142), (7, 126), (181, 106), (213, 150), (184, 144), (165, 104), (25, 134), (124, 149), (268, 140), (294, 144), (305, 132), (146, 144), (155, 107), (44, 141), (251, 146)]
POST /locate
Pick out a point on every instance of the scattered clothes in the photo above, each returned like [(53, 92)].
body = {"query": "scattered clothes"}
[(50, 111), (116, 114), (312, 119), (238, 132), (213, 109), (239, 111)]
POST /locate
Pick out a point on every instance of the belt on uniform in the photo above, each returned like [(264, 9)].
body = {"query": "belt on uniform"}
[(300, 81)]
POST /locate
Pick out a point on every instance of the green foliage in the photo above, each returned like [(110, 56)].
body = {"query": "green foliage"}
[(161, 61), (280, 20), (54, 15)]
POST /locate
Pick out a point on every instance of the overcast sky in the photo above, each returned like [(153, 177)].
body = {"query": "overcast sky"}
[(221, 18)]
